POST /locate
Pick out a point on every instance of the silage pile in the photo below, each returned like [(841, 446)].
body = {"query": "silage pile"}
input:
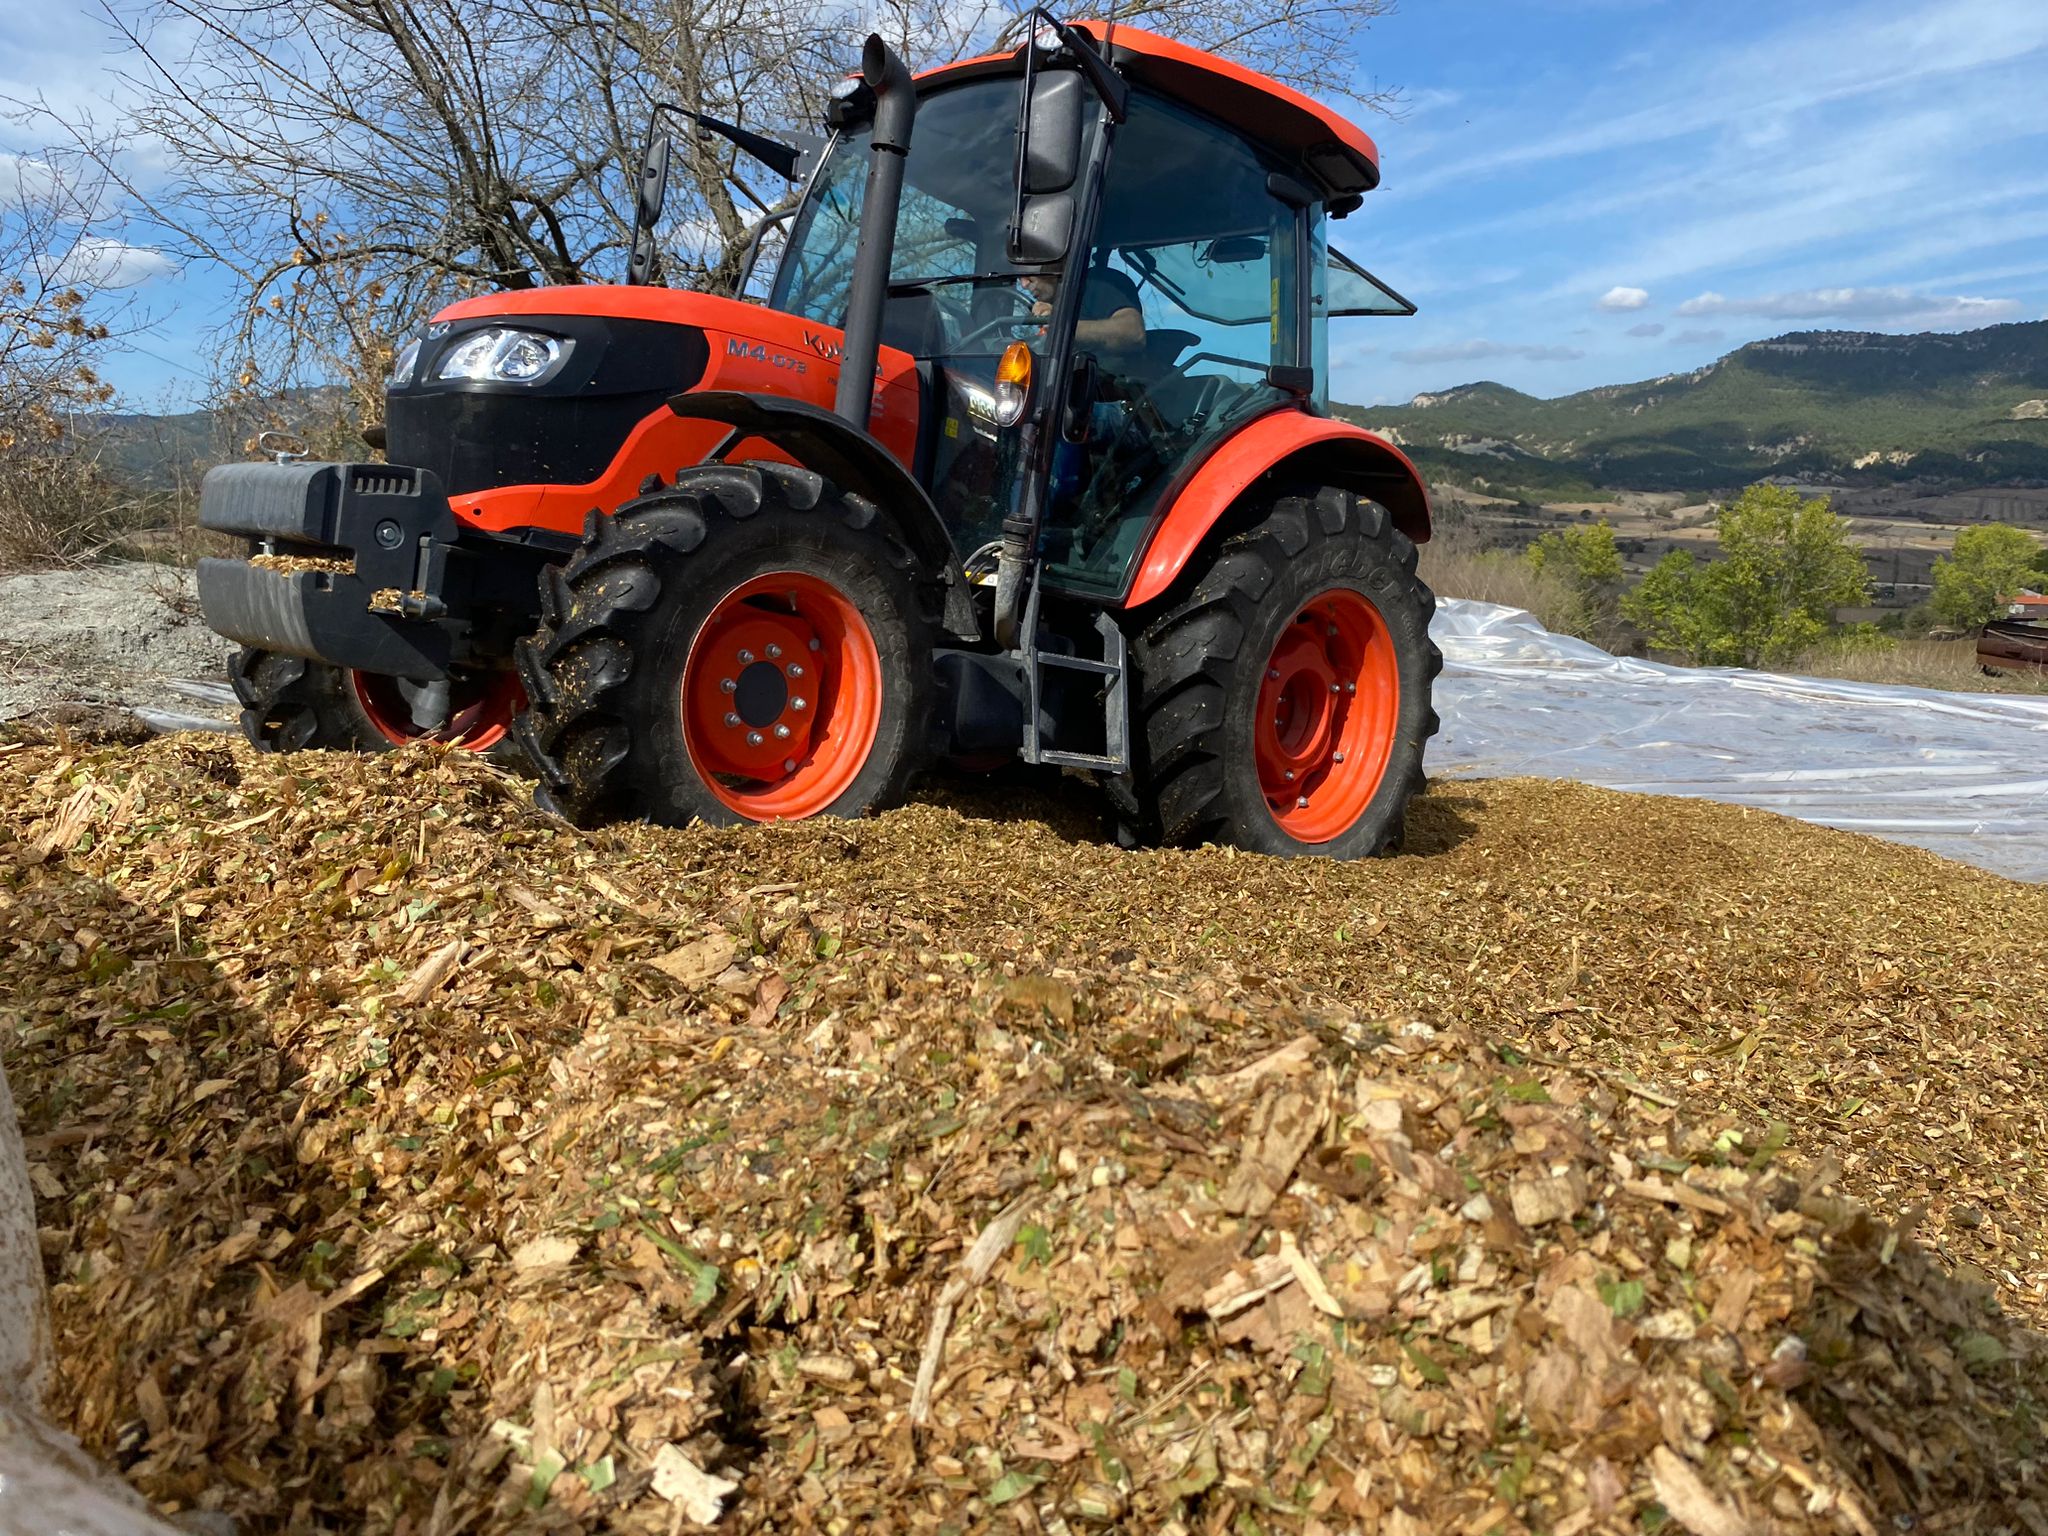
[(410, 1162)]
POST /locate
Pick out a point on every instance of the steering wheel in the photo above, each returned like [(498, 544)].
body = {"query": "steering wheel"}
[(1023, 317)]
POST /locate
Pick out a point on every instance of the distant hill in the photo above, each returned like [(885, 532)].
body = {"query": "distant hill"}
[(1850, 407), (154, 451)]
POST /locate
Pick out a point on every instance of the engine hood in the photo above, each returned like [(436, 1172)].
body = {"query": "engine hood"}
[(670, 306)]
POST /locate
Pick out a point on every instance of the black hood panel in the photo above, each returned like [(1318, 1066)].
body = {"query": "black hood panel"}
[(564, 431)]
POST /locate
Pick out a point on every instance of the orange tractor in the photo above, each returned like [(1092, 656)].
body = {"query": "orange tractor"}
[(1024, 456)]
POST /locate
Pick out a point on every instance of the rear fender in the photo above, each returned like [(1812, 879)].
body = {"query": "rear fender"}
[(1289, 445)]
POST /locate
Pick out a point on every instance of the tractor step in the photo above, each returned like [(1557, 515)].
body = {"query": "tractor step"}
[(1114, 666)]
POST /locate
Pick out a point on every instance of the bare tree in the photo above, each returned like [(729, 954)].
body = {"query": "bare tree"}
[(58, 314), (356, 163)]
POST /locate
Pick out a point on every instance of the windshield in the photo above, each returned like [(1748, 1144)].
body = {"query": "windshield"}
[(949, 276)]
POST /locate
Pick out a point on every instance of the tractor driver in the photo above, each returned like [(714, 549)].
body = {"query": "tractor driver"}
[(1111, 324)]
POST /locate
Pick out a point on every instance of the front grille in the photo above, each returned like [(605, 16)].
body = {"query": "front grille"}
[(476, 442)]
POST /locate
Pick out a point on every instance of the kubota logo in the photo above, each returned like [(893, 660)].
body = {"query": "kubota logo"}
[(824, 348)]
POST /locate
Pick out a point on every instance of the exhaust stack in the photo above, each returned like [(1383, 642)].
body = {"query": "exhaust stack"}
[(895, 109)]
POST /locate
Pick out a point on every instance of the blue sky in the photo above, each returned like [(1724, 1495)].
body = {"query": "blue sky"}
[(1595, 191), (1580, 192)]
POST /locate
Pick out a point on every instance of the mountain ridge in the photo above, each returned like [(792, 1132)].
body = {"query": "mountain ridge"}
[(1939, 408)]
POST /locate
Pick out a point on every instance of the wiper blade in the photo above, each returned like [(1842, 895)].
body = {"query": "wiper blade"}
[(785, 160)]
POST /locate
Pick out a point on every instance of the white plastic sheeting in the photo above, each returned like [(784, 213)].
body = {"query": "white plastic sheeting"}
[(1963, 774)]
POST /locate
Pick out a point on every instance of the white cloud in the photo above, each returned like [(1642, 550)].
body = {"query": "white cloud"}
[(1476, 351), (1618, 299), (1647, 328), (100, 262), (1816, 62), (25, 179), (1894, 304)]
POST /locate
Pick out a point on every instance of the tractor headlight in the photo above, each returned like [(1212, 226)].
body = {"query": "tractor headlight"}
[(403, 364), (501, 356), (1013, 384)]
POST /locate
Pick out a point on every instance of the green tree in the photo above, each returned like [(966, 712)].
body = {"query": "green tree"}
[(1584, 562), (1584, 556), (1786, 564), (1988, 563)]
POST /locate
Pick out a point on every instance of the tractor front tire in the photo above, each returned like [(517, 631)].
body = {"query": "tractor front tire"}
[(290, 704), (749, 644), (1283, 699)]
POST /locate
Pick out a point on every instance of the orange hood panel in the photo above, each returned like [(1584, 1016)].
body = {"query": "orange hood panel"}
[(754, 350)]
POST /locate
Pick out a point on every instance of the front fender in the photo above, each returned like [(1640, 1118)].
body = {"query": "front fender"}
[(852, 459), (1298, 446)]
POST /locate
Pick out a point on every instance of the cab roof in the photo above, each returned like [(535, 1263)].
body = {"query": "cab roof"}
[(1333, 150)]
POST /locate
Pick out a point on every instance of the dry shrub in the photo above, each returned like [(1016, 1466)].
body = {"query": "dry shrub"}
[(61, 507), (1950, 664), (1454, 569)]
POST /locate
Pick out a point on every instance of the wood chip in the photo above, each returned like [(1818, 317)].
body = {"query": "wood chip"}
[(699, 1496)]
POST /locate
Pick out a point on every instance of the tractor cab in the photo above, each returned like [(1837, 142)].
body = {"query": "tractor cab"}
[(1199, 247)]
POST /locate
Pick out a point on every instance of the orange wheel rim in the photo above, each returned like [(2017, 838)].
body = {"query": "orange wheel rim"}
[(1324, 725), (781, 697), (480, 709)]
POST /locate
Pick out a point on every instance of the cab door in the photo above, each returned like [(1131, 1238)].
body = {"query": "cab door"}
[(1191, 227)]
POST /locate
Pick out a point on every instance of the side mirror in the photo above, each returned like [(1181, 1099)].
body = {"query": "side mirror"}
[(653, 191), (1044, 230), (1048, 161), (1052, 133)]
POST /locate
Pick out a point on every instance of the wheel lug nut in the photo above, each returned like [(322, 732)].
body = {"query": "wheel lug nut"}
[(1351, 687), (1273, 673), (1336, 757), (1331, 631), (796, 669), (727, 684), (1301, 802), (816, 644), (782, 733), (774, 651), (1290, 775), (798, 704), (753, 738), (789, 765), (746, 658), (1335, 689), (732, 722)]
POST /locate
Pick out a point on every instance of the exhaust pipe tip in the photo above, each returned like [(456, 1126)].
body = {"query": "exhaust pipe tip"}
[(895, 94)]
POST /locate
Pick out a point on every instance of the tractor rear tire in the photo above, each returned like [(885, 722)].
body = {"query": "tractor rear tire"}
[(290, 704), (1283, 699), (749, 644)]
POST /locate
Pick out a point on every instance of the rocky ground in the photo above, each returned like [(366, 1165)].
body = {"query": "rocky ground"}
[(124, 635)]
